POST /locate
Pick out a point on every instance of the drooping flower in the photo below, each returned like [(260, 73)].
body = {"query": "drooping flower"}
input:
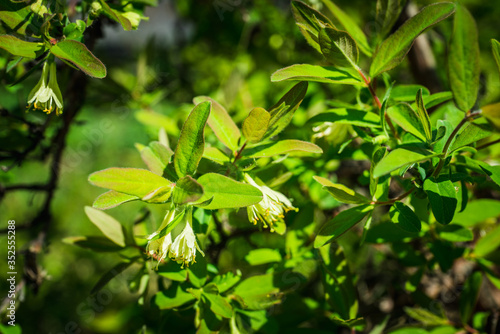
[(271, 210), (46, 95), (179, 244)]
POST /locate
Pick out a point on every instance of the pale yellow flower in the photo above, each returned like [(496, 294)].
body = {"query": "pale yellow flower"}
[(46, 95)]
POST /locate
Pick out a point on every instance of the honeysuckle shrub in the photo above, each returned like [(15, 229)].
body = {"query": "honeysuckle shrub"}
[(372, 211)]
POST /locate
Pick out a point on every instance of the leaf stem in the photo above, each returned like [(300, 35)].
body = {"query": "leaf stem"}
[(237, 157), (442, 159), (378, 103), (397, 199), (488, 144)]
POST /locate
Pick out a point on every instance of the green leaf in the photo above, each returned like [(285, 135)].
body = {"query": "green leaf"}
[(108, 276), (21, 48), (350, 26), (341, 193), (221, 123), (402, 215), (342, 222), (112, 199), (17, 17), (227, 193), (407, 93), (401, 157), (226, 281), (78, 54), (495, 47), (156, 156), (388, 12), (470, 133), (219, 305), (338, 47), (423, 116), (324, 74), (469, 296), (379, 187), (492, 113), (255, 125), (493, 172), (115, 15), (109, 226), (442, 197), (427, 318), (348, 116), (131, 181), (260, 256), (191, 142), (455, 233), (394, 49), (282, 112), (98, 244), (478, 211), (407, 118), (282, 147), (258, 292), (186, 190), (310, 22), (214, 154), (463, 59), (488, 243), (172, 297)]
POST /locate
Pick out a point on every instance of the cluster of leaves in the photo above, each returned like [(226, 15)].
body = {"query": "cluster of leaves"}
[(430, 158)]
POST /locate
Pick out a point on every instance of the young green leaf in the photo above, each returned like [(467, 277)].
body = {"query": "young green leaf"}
[(156, 156), (214, 154), (172, 297), (325, 74), (407, 118), (341, 193), (261, 256), (407, 93), (78, 54), (350, 26), (131, 181), (495, 46), (97, 244), (282, 112), (282, 147), (463, 59), (310, 22), (388, 12), (379, 186), (348, 116), (227, 193), (255, 125), (469, 296), (401, 157), (402, 215), (187, 190), (219, 305), (342, 222), (112, 199), (338, 47), (17, 17), (427, 318), (488, 243), (109, 226), (394, 49), (455, 233), (115, 15), (442, 197), (423, 116), (493, 172), (20, 48), (471, 133), (221, 123), (191, 142)]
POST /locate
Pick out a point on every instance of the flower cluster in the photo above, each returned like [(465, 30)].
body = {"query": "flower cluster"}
[(180, 243), (46, 95), (271, 209)]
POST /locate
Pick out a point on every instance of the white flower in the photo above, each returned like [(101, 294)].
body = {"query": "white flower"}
[(184, 245), (271, 209), (47, 96)]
